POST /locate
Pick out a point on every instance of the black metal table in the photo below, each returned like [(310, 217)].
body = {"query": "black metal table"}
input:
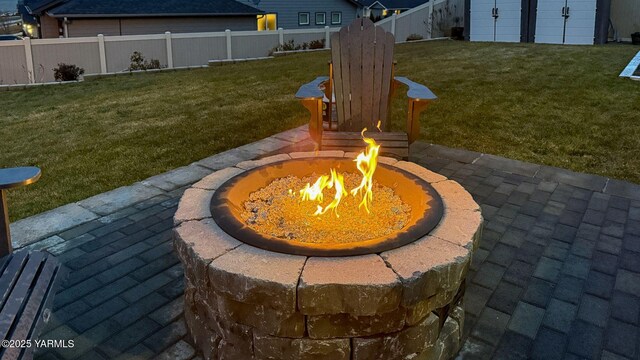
[(12, 178)]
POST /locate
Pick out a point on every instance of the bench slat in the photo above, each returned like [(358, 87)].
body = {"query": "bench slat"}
[(15, 263), (28, 321), (16, 299)]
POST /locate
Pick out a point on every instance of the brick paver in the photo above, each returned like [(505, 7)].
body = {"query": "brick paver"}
[(556, 276)]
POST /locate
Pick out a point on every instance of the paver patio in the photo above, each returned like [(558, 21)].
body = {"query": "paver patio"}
[(556, 276)]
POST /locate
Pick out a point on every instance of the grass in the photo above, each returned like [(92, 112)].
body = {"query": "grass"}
[(558, 105)]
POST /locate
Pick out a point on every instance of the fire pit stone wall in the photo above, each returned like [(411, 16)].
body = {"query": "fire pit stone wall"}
[(242, 302)]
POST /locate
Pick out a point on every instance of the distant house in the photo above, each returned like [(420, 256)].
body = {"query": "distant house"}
[(303, 14), (75, 18), (379, 9)]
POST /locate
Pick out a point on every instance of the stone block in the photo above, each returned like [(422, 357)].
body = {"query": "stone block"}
[(255, 276), (218, 178), (198, 243), (312, 154), (455, 196), (427, 267), (460, 227), (346, 325), (205, 339), (356, 285), (195, 204), (34, 228), (236, 342), (405, 344), (120, 198), (250, 164), (274, 348), (176, 178), (428, 175), (225, 159), (265, 320), (450, 339), (422, 309)]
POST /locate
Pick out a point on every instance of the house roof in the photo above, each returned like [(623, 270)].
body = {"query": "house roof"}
[(393, 4), (37, 6), (149, 8)]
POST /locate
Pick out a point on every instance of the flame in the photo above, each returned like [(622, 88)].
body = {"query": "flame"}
[(337, 181), (314, 192), (378, 125), (366, 162)]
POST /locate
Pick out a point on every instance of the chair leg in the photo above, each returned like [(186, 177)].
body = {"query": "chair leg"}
[(315, 124), (413, 118), (5, 234)]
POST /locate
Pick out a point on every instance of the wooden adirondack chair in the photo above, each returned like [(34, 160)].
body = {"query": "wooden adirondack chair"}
[(359, 88)]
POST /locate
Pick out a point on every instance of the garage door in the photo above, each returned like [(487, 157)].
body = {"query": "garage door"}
[(581, 23), (550, 22), (578, 28), (481, 20), (508, 21)]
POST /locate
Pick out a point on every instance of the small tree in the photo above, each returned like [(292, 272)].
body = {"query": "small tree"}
[(67, 72)]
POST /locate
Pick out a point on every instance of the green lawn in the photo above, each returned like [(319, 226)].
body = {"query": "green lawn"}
[(558, 105)]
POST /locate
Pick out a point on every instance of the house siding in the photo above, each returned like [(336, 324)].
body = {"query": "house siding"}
[(48, 27), (287, 11), (141, 26)]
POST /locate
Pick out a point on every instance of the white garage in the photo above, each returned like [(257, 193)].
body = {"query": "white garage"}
[(540, 21)]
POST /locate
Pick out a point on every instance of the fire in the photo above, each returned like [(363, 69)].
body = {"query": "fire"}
[(366, 163)]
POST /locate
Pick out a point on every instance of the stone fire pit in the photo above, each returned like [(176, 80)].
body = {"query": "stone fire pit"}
[(243, 302)]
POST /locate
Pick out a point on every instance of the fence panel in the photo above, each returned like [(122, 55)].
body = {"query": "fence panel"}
[(300, 37), (119, 50), (47, 56), (13, 64), (252, 45), (191, 51), (413, 23)]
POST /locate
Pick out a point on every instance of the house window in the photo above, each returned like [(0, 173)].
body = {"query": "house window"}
[(321, 18), (303, 18), (336, 18)]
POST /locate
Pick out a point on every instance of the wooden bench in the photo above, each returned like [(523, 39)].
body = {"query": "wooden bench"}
[(28, 283)]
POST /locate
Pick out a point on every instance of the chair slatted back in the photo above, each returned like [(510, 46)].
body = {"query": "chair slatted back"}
[(362, 58)]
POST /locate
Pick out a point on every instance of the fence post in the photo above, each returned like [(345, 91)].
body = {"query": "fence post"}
[(281, 36), (393, 23), (327, 38), (430, 20), (169, 50), (103, 54), (29, 57), (228, 34)]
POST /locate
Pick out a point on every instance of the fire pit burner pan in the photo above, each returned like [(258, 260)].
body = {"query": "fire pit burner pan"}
[(227, 205)]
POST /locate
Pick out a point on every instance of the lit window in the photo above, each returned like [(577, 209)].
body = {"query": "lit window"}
[(267, 22), (321, 18), (303, 18), (336, 18)]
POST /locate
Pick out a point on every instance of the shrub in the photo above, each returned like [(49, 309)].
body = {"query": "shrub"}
[(414, 37), (67, 72), (316, 44), (138, 62)]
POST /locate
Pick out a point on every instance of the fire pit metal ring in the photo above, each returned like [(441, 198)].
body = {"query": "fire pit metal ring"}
[(225, 210)]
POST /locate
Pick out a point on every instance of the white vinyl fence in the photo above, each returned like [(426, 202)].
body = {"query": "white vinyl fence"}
[(33, 60)]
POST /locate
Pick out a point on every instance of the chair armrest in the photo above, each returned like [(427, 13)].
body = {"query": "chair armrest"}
[(312, 90), (416, 91)]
